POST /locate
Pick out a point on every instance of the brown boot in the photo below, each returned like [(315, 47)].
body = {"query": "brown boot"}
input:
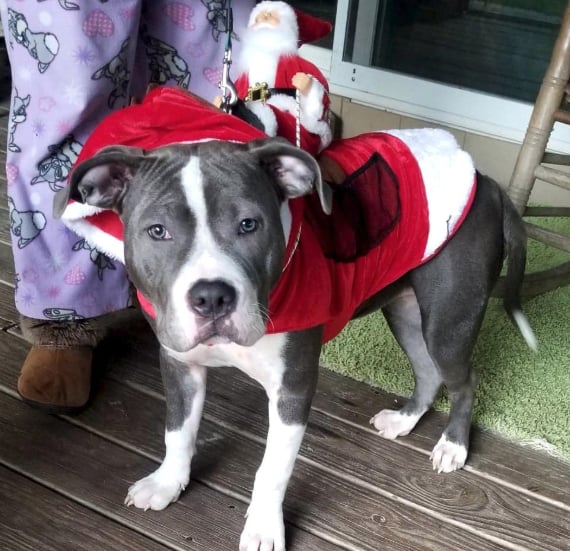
[(56, 374)]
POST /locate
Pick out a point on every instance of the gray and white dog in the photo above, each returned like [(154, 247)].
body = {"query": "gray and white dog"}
[(206, 228)]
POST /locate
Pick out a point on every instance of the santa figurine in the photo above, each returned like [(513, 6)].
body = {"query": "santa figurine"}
[(286, 92)]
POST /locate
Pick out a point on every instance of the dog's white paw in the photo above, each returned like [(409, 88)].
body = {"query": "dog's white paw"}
[(448, 456), (263, 531), (155, 491), (391, 423)]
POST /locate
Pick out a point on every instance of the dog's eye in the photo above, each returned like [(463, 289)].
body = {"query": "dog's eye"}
[(248, 225), (158, 232)]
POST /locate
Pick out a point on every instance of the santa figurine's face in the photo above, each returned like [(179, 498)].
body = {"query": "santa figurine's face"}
[(271, 32), (266, 18)]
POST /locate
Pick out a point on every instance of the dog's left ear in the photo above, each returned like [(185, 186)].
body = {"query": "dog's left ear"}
[(101, 181), (295, 170)]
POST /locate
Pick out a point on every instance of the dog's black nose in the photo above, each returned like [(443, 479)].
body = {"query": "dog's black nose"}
[(212, 299)]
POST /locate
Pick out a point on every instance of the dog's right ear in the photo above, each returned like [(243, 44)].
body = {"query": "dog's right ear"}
[(101, 181), (294, 170)]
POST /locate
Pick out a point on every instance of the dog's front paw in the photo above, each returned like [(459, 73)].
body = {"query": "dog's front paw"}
[(263, 531), (155, 491), (448, 456), (392, 423)]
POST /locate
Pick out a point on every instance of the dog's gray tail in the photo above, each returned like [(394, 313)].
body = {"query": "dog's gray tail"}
[(515, 249)]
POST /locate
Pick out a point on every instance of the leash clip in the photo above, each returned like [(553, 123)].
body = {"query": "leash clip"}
[(229, 91), (226, 85)]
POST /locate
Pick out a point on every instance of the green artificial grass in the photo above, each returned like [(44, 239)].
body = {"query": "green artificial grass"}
[(521, 394)]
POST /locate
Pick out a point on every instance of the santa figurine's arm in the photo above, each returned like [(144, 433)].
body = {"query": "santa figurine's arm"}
[(303, 82), (313, 97)]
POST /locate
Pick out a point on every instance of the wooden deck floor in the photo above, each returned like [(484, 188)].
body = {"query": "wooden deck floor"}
[(63, 479)]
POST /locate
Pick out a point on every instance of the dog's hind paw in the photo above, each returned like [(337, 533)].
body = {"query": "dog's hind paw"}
[(448, 456), (154, 492), (392, 423)]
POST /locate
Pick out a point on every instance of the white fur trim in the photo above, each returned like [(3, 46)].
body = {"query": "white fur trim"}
[(313, 113), (283, 102), (265, 115), (449, 176), (311, 123), (323, 129), (74, 218), (312, 104)]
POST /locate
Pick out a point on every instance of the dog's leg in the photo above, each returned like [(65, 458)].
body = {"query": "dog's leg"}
[(185, 388), (450, 453), (438, 341), (290, 399), (453, 306), (264, 528), (404, 319), (452, 291)]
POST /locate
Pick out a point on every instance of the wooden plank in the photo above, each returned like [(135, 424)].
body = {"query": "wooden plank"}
[(8, 313), (479, 504), (320, 502), (490, 455), (328, 506), (34, 517), (4, 89), (6, 264), (354, 403), (256, 417), (492, 458), (364, 456), (88, 469), (91, 471), (5, 236), (3, 189)]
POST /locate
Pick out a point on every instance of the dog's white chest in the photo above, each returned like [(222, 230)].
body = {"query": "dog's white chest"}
[(263, 361)]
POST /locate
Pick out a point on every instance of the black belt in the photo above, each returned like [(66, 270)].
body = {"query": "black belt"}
[(263, 93), (287, 91)]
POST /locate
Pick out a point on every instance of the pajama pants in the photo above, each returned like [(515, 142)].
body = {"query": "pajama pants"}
[(73, 62)]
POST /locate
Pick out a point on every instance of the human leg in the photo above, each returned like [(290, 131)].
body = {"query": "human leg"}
[(71, 65), (184, 43)]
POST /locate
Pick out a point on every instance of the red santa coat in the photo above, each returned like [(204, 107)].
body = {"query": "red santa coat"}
[(403, 211), (315, 129), (393, 216)]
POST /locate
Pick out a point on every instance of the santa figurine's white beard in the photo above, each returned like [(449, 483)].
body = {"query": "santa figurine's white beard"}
[(262, 47)]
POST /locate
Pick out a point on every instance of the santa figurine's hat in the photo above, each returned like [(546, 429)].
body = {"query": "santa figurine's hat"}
[(308, 28)]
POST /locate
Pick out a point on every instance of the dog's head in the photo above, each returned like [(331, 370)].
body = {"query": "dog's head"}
[(205, 229)]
